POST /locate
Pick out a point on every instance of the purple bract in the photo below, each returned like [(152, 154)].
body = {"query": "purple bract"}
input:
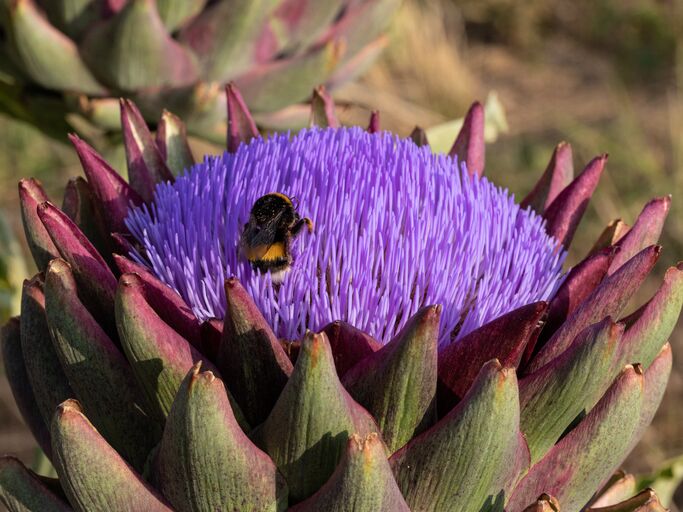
[(396, 228)]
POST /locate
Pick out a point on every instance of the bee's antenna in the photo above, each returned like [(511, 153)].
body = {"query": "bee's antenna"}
[(295, 202)]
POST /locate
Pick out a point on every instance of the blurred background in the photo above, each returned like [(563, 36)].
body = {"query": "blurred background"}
[(604, 75)]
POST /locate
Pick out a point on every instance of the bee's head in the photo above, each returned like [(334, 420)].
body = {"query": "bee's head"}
[(273, 206)]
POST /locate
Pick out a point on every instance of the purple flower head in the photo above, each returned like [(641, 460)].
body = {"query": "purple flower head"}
[(396, 228)]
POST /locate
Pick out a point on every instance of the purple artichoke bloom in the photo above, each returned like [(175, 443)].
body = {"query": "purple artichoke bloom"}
[(396, 228), (209, 393)]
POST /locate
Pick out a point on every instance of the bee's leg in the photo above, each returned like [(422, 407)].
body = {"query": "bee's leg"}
[(300, 224)]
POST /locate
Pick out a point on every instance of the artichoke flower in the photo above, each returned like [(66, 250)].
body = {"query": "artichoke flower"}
[(424, 350), (66, 58)]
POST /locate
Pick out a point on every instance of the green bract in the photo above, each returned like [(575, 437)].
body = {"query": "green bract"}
[(141, 407), (178, 54)]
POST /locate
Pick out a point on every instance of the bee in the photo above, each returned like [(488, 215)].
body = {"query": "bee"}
[(266, 238)]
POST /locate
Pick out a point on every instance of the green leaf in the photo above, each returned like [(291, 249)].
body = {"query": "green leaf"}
[(575, 467), (19, 383), (31, 194), (146, 167), (97, 371), (171, 139), (96, 281), (94, 476), (81, 206), (175, 13), (21, 490), (462, 462), (205, 462), (72, 16), (48, 380), (224, 37), (650, 326), (48, 56), (296, 25), (159, 356), (133, 50), (280, 83), (397, 383), (554, 396), (308, 429), (362, 482), (254, 363)]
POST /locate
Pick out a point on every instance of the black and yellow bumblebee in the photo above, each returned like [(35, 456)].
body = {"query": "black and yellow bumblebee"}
[(266, 238)]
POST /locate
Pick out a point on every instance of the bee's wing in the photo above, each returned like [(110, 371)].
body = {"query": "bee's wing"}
[(257, 238)]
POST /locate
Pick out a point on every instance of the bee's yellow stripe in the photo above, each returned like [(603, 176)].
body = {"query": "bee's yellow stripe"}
[(264, 252)]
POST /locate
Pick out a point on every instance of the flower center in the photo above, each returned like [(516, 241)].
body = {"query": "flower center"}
[(396, 228)]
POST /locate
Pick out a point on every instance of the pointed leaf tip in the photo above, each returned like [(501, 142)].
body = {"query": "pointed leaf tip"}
[(93, 474), (92, 362), (31, 194), (312, 420), (374, 123), (469, 145), (644, 501), (619, 487), (556, 177), (645, 231), (362, 478), (21, 490), (613, 232), (591, 452), (419, 137), (322, 109), (544, 503), (146, 167), (349, 345), (651, 325), (254, 364), (132, 50), (159, 356), (608, 299), (96, 282), (203, 443), (565, 212), (397, 383), (504, 338), (463, 463), (114, 194), (171, 139), (241, 125)]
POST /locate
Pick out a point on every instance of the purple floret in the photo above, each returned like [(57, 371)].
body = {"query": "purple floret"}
[(396, 228)]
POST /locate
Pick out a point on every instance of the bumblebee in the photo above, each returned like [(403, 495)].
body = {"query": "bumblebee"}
[(266, 238)]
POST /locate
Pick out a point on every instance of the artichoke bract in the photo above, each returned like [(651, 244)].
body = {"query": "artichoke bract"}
[(424, 350), (179, 54)]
